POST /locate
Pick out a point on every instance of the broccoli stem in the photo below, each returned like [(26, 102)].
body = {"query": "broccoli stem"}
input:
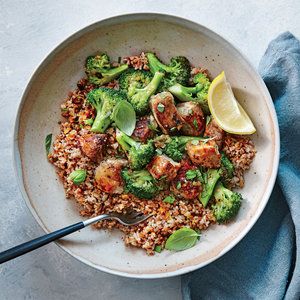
[(100, 123), (109, 75), (184, 93), (212, 179), (155, 64), (152, 86), (185, 139), (125, 141)]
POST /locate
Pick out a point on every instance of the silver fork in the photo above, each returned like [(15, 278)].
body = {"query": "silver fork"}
[(129, 218)]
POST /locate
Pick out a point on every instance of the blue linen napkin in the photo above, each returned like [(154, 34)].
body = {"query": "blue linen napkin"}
[(266, 263)]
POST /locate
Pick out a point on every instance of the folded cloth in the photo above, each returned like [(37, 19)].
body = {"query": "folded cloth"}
[(266, 263)]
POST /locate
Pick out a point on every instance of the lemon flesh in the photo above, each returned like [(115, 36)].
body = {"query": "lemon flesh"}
[(225, 109)]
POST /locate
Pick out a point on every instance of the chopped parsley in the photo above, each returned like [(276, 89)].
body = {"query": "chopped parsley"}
[(193, 174), (208, 119), (161, 107), (158, 151), (152, 127), (195, 124)]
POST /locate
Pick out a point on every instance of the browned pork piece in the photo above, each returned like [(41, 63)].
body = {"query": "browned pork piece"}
[(193, 116), (108, 175), (205, 154), (161, 166), (93, 146), (214, 131), (143, 131), (186, 184), (165, 113)]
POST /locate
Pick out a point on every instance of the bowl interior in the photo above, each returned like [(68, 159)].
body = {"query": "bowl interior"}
[(40, 112)]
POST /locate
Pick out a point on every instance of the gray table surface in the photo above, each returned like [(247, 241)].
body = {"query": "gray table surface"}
[(28, 31)]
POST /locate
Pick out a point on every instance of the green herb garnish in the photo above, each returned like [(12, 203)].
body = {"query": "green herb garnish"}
[(178, 186), (161, 107), (169, 199), (48, 141), (182, 239), (195, 124), (193, 174), (158, 151), (78, 176), (152, 127), (208, 119)]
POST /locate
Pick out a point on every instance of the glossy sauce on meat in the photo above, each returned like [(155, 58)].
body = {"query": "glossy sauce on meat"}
[(184, 188), (213, 130), (142, 131), (193, 117), (165, 113), (93, 146), (162, 166), (205, 154), (108, 176)]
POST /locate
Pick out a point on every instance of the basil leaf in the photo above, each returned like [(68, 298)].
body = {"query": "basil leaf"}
[(182, 239), (124, 116), (169, 199), (78, 176), (161, 107), (158, 248), (89, 121), (178, 186), (48, 141)]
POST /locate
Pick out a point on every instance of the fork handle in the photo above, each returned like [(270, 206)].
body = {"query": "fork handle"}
[(47, 238), (38, 242)]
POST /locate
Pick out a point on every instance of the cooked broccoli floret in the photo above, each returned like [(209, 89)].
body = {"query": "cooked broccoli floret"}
[(104, 101), (197, 93), (140, 183), (139, 97), (211, 178), (176, 146), (178, 71), (97, 62), (99, 70), (132, 79), (139, 155), (227, 167), (227, 203)]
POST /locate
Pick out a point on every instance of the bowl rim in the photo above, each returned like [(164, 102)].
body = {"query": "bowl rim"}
[(183, 22)]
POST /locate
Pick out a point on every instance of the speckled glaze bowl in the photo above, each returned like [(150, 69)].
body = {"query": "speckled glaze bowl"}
[(39, 113)]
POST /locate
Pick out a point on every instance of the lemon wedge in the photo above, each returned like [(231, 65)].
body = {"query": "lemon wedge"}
[(224, 107)]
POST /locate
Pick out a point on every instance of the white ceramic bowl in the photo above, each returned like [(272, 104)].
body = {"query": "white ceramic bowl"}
[(39, 113)]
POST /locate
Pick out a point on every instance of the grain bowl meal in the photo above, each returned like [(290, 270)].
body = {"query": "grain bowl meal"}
[(160, 138)]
